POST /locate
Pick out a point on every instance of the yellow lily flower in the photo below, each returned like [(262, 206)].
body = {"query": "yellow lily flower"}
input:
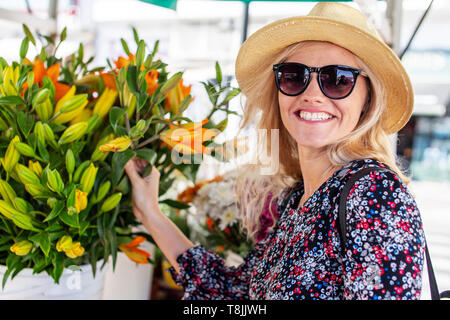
[(80, 200), (21, 248), (117, 145), (188, 138), (76, 250), (64, 244), (105, 102)]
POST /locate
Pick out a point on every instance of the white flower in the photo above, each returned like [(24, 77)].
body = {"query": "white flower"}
[(228, 217)]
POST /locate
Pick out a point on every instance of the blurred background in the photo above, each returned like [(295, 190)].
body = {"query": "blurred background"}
[(194, 34)]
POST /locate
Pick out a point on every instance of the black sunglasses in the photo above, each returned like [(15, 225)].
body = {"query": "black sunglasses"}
[(335, 81)]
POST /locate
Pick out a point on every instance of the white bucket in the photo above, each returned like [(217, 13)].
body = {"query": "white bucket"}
[(73, 285)]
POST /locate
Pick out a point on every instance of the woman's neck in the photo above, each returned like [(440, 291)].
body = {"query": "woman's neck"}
[(316, 169)]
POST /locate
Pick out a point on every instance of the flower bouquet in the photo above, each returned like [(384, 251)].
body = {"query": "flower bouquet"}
[(214, 209), (66, 132)]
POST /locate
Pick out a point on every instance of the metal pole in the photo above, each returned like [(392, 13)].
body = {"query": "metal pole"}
[(415, 30), (394, 10), (245, 22)]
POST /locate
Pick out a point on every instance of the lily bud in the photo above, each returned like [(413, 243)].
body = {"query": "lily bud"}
[(40, 97), (73, 133), (70, 161), (117, 145), (111, 202), (39, 131), (54, 181), (73, 103), (98, 155), (7, 192), (44, 110), (26, 175), (88, 178), (36, 190), (24, 149), (80, 170), (103, 190), (12, 155), (51, 202)]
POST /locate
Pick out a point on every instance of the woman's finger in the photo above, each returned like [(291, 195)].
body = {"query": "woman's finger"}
[(131, 171)]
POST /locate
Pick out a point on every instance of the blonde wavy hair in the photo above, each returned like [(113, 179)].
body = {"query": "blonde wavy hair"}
[(261, 110)]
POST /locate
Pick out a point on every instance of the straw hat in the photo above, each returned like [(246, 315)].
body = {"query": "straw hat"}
[(344, 26)]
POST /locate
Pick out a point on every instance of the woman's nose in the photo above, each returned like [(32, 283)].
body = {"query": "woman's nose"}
[(313, 93)]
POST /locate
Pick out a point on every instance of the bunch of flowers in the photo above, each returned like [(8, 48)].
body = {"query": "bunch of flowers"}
[(66, 132), (214, 208)]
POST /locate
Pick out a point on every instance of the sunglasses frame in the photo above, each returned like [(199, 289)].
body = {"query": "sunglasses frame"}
[(318, 70)]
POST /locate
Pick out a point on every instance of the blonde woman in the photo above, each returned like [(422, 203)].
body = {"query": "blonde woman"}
[(335, 92)]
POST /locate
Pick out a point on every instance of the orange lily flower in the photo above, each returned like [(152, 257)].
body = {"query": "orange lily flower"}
[(108, 80), (133, 252), (151, 78), (183, 137), (124, 62), (40, 72), (175, 96)]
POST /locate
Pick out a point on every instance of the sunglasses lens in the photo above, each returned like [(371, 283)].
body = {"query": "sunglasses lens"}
[(337, 82), (292, 78)]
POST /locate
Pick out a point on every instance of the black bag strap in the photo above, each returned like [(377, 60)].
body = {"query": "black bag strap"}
[(342, 228)]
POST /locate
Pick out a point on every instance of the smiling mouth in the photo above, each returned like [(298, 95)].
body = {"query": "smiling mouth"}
[(313, 116)]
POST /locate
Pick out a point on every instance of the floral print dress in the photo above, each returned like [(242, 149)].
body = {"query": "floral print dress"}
[(303, 258)]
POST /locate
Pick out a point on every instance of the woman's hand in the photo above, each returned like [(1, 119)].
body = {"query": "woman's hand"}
[(144, 190)]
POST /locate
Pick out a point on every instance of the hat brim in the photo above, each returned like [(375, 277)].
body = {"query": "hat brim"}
[(261, 48)]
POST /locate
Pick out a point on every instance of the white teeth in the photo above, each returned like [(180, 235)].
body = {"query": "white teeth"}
[(318, 116)]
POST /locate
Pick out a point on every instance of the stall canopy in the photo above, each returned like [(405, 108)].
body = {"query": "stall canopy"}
[(172, 4)]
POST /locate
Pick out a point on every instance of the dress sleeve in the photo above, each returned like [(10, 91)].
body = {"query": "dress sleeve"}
[(385, 241), (204, 275)]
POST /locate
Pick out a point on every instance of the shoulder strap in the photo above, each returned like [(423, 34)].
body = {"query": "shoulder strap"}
[(344, 195), (342, 228)]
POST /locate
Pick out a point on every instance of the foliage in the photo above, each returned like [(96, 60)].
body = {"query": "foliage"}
[(66, 132)]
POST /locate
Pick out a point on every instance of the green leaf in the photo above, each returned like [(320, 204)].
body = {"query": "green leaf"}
[(218, 74), (12, 100), (57, 209), (48, 83), (43, 240), (125, 46), (24, 48), (80, 52), (26, 123), (147, 154), (119, 161), (135, 35), (70, 220), (58, 266), (115, 114), (175, 204), (63, 34), (28, 34), (140, 54), (230, 95), (43, 151), (71, 198), (132, 79)]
